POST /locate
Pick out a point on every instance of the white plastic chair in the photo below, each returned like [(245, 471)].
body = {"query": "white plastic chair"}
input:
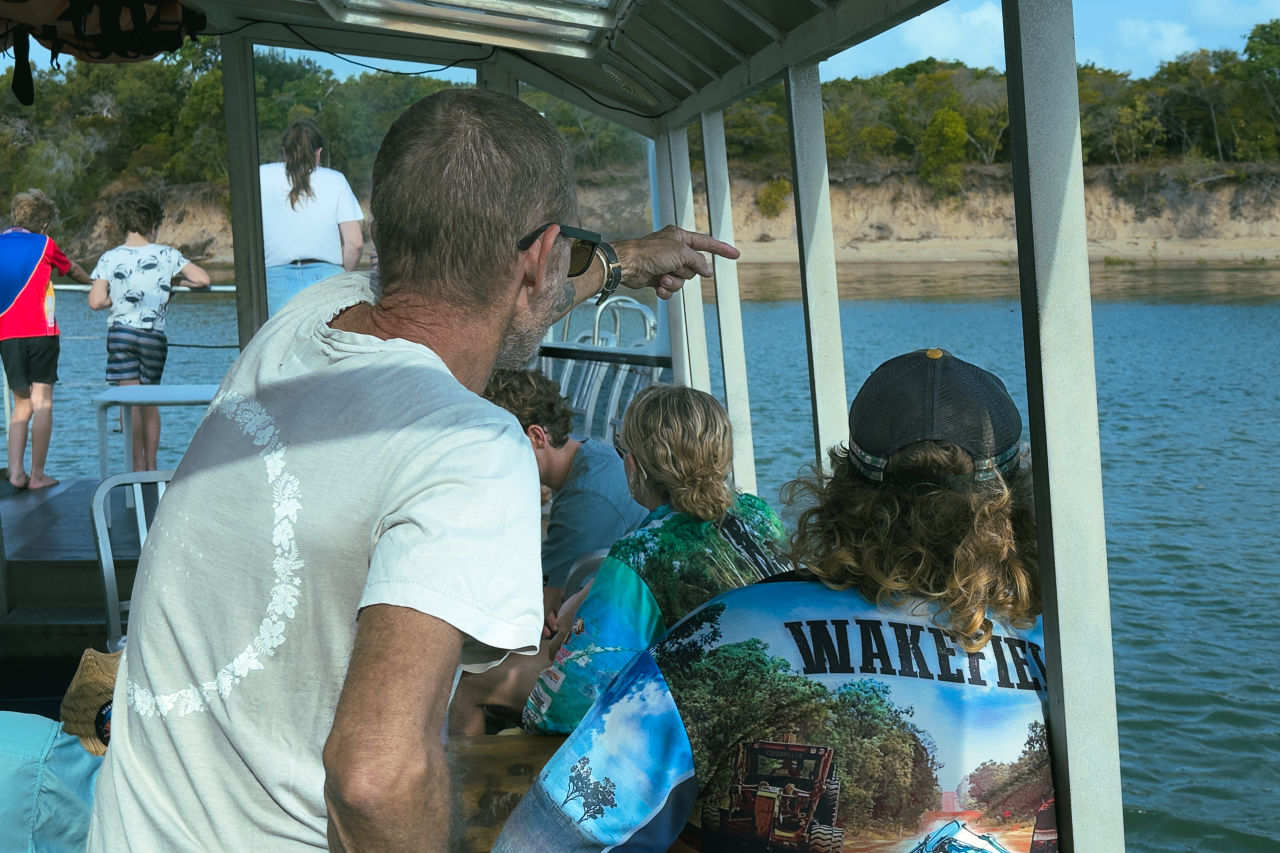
[(583, 570), (117, 610), (629, 381)]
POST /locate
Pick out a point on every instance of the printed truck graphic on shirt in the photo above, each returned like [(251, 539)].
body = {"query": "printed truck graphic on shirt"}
[(783, 794)]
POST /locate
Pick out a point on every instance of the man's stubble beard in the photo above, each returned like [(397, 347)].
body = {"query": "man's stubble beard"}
[(524, 334)]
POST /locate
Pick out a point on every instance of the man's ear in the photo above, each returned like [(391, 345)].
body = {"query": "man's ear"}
[(537, 260), (537, 436)]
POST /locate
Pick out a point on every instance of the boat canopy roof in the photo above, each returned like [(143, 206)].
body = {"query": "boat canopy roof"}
[(645, 64)]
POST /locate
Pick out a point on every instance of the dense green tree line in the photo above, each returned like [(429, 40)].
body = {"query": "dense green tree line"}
[(937, 117), (1019, 787), (738, 692), (94, 128)]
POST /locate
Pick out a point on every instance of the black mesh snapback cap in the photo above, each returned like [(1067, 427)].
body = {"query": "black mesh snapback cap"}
[(930, 395)]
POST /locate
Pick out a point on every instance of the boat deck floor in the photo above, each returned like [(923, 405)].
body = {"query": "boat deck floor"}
[(51, 588)]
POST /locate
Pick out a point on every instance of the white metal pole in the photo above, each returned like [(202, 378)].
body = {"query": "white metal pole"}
[(665, 214), (246, 198), (690, 296), (817, 259), (733, 354), (1053, 266)]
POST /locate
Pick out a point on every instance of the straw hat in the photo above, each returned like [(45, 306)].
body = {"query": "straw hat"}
[(86, 708)]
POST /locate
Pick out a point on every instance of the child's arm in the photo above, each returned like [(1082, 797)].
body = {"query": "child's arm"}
[(78, 275), (194, 275), (99, 294)]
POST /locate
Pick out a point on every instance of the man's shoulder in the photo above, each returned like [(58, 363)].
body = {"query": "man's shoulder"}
[(596, 468)]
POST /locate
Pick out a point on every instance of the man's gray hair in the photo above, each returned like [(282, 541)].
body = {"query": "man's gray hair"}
[(461, 176)]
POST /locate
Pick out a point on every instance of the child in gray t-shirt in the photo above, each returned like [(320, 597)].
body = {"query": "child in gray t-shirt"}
[(135, 280)]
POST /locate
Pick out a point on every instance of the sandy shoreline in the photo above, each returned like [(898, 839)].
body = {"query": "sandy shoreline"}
[(1248, 251)]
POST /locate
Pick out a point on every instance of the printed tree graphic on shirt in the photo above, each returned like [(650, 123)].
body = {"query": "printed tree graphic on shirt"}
[(595, 796)]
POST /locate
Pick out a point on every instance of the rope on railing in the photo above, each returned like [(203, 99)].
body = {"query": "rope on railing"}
[(171, 343)]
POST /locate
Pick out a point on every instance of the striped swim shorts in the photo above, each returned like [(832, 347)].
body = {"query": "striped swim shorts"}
[(135, 354)]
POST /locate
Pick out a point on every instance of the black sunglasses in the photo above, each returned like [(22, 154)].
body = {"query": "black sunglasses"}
[(581, 253), (622, 451)]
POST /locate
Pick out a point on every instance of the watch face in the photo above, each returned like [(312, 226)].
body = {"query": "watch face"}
[(612, 270)]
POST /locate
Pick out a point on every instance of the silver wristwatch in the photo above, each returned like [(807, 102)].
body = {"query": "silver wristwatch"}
[(612, 271)]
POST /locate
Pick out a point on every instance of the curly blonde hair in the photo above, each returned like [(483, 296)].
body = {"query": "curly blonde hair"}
[(33, 210), (683, 446), (967, 545)]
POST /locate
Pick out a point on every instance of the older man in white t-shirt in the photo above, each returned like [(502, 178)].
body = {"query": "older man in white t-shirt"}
[(352, 524)]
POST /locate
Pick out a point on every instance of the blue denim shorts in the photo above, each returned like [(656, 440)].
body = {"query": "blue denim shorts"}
[(287, 281)]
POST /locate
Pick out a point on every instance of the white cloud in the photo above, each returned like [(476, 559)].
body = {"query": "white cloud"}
[(1160, 40), (1224, 14), (975, 36), (614, 745)]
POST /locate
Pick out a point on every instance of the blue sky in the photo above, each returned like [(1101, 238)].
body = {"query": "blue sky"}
[(1125, 35)]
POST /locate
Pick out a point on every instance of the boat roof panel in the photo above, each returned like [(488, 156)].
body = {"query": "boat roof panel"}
[(648, 64)]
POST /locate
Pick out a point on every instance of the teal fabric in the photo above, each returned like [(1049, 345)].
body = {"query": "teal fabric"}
[(46, 786), (651, 578), (591, 511)]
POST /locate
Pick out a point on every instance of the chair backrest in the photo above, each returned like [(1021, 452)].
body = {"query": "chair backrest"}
[(630, 381), (583, 570), (580, 384), (117, 609)]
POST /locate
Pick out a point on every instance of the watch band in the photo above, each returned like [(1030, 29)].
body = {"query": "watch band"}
[(612, 271)]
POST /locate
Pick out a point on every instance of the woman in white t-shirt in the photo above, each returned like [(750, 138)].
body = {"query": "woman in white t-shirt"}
[(310, 217)]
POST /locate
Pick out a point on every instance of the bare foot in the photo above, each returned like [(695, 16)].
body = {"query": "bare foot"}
[(19, 482), (41, 482)]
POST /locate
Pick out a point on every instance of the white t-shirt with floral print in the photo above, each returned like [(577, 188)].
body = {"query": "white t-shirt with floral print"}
[(333, 471)]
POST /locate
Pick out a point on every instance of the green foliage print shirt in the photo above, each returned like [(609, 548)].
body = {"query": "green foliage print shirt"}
[(651, 578), (789, 716)]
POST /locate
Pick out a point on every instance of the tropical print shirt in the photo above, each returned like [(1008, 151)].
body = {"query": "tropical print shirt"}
[(651, 578), (790, 716)]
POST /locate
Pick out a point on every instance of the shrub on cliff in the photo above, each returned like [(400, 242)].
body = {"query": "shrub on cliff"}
[(771, 199), (942, 152)]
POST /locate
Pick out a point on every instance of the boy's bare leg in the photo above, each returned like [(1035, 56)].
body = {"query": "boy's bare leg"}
[(137, 438), (18, 421), (41, 432), (150, 438)]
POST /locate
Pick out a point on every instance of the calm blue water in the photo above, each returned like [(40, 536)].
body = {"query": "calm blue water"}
[(1188, 366), (206, 319)]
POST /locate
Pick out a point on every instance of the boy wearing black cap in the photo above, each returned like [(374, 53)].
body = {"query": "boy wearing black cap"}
[(898, 672)]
